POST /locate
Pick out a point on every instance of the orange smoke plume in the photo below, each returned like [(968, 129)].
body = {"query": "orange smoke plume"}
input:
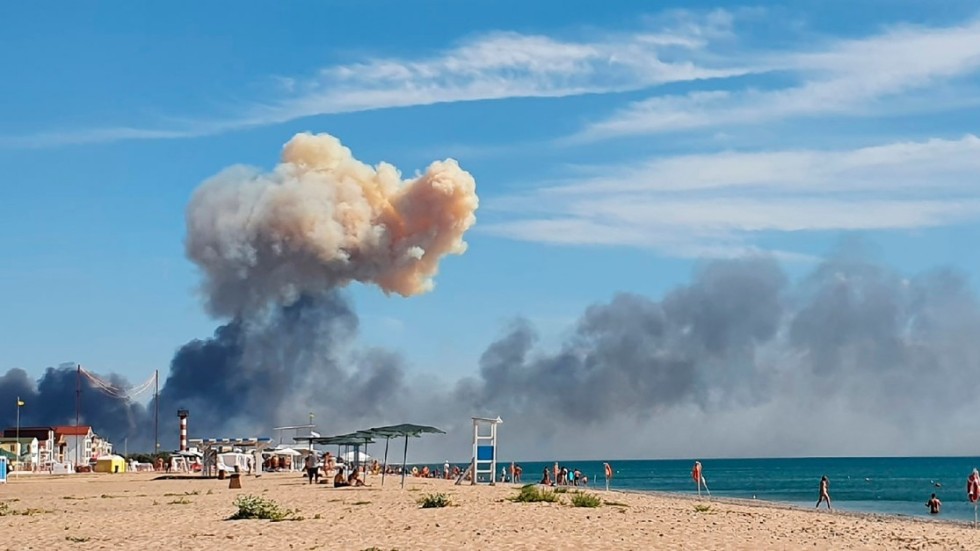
[(320, 220)]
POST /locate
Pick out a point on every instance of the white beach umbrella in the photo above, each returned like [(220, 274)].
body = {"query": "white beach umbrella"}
[(351, 457)]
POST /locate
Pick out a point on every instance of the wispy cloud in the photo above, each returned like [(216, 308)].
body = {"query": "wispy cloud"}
[(717, 204), (847, 77), (492, 66)]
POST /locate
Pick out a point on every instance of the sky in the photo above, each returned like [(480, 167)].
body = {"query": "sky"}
[(617, 147)]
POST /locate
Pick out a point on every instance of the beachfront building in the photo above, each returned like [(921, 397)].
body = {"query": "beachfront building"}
[(74, 444), (25, 449), (45, 441), (100, 446)]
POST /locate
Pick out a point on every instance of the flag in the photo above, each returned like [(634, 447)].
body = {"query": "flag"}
[(20, 402)]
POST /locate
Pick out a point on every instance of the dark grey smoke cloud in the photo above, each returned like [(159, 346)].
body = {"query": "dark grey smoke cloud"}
[(51, 401), (852, 359), (272, 370), (638, 355)]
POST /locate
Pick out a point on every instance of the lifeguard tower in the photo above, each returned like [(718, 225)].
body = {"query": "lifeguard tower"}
[(485, 450)]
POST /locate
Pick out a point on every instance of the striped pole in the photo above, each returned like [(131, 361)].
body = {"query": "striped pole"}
[(182, 413)]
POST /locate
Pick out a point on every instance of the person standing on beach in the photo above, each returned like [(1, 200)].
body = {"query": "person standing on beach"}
[(312, 469), (824, 492), (934, 505)]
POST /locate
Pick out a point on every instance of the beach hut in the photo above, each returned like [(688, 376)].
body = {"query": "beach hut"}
[(110, 464)]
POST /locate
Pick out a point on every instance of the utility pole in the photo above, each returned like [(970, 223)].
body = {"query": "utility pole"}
[(78, 407), (19, 451), (156, 412)]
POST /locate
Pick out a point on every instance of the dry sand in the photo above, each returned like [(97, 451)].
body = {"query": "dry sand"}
[(133, 511)]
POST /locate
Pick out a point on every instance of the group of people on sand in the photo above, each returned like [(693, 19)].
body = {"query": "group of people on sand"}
[(315, 467), (563, 476)]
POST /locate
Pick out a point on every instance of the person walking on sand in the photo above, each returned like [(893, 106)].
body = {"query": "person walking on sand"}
[(824, 492), (934, 505)]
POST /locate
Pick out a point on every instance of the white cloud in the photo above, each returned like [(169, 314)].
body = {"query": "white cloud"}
[(853, 77), (714, 204), (907, 167), (492, 66)]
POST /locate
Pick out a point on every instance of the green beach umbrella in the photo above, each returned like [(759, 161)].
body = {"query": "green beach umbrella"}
[(405, 430)]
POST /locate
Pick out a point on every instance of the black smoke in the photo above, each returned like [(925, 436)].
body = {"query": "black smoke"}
[(51, 400)]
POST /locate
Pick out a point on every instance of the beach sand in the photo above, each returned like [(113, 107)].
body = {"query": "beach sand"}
[(133, 511)]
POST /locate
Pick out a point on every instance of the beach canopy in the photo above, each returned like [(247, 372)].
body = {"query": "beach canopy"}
[(404, 430), (352, 456), (355, 439), (285, 451)]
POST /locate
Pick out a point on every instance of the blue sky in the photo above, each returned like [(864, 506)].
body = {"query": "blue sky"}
[(615, 146)]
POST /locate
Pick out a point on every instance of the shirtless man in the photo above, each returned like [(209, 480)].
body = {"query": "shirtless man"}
[(824, 492), (934, 505)]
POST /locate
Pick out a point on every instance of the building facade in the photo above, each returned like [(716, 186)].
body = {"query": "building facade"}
[(45, 441), (74, 444), (25, 449), (61, 444)]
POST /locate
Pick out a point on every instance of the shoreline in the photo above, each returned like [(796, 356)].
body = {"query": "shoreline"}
[(790, 506), (134, 511)]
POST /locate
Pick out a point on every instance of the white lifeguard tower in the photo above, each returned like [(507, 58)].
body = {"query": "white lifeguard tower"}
[(485, 450)]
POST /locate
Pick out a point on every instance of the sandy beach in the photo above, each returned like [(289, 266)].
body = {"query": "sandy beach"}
[(133, 511)]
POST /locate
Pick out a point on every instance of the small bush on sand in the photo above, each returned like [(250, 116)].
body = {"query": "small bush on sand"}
[(430, 501), (532, 494), (702, 508), (5, 510), (254, 507), (586, 500)]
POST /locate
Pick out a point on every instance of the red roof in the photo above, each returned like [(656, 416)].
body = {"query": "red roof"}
[(72, 430)]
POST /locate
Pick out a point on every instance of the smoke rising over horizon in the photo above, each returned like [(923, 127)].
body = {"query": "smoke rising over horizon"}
[(853, 359)]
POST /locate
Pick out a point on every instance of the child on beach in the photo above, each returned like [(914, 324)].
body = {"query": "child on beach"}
[(824, 492)]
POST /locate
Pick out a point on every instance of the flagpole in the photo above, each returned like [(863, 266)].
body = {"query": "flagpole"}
[(19, 451)]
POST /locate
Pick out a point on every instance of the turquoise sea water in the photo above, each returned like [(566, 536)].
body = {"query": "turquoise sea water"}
[(893, 485)]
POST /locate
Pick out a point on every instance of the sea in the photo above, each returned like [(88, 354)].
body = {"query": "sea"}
[(883, 485)]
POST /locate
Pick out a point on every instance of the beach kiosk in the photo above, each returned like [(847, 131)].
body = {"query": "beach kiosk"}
[(485, 450), (3, 470), (110, 464)]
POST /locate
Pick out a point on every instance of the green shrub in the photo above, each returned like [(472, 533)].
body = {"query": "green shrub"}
[(532, 494), (430, 501), (255, 507), (702, 508), (586, 500), (561, 490)]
